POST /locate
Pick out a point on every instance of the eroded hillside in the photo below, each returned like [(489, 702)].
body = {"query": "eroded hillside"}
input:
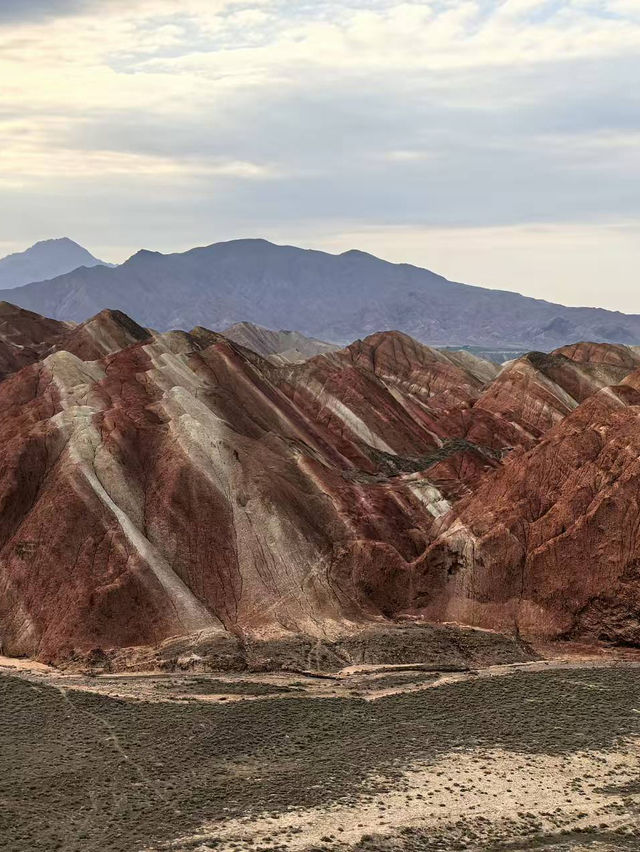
[(155, 486)]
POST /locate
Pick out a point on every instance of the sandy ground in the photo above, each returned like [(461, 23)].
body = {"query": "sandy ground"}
[(531, 756), (14, 664), (492, 792)]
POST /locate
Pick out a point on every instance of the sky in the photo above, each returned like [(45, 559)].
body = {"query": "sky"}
[(497, 143)]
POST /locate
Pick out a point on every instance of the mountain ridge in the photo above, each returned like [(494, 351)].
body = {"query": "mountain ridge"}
[(210, 495), (284, 345), (330, 297)]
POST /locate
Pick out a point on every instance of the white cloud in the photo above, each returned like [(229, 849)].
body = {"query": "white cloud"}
[(250, 115)]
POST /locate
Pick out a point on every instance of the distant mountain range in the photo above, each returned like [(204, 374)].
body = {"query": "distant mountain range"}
[(46, 259), (333, 297)]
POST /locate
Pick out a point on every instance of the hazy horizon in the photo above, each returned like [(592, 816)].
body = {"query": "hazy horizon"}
[(336, 251), (495, 143)]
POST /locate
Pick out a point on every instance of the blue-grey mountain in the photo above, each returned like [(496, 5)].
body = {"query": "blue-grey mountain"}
[(46, 259), (331, 297)]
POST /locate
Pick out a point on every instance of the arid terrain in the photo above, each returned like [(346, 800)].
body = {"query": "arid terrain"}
[(179, 488), (533, 756), (320, 448), (383, 597)]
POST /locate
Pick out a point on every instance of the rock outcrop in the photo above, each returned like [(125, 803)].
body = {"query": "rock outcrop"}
[(548, 545), (170, 488), (156, 486), (25, 337)]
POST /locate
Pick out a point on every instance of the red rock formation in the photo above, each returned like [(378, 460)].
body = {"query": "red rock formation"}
[(280, 347), (25, 337), (104, 334), (627, 358), (537, 391), (393, 404), (154, 486), (167, 489), (548, 544)]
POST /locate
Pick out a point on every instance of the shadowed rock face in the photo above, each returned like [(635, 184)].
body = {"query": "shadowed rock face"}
[(537, 391), (162, 485), (25, 337)]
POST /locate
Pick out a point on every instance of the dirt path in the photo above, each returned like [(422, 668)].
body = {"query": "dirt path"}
[(368, 682)]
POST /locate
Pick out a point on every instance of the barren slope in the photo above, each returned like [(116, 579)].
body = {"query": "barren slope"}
[(549, 543), (155, 486), (25, 337), (281, 346), (167, 489)]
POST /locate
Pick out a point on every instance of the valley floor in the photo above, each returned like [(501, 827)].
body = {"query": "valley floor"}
[(535, 756)]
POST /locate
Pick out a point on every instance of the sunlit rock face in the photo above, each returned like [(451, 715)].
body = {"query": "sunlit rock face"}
[(548, 544), (178, 484)]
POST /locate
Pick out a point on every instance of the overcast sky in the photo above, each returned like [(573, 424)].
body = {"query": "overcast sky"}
[(494, 142)]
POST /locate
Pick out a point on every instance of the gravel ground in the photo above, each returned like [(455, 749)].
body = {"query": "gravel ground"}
[(537, 759)]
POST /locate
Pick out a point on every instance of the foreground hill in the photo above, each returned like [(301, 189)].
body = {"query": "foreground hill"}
[(184, 485), (25, 337), (44, 260), (159, 485), (332, 297), (549, 544)]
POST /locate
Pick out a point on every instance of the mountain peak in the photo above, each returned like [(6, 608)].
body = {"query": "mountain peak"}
[(142, 255), (356, 253), (56, 241), (44, 260)]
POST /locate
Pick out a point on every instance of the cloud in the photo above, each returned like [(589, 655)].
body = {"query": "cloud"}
[(266, 116), (34, 10)]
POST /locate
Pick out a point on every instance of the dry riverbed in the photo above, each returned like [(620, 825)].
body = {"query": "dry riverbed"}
[(537, 756)]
